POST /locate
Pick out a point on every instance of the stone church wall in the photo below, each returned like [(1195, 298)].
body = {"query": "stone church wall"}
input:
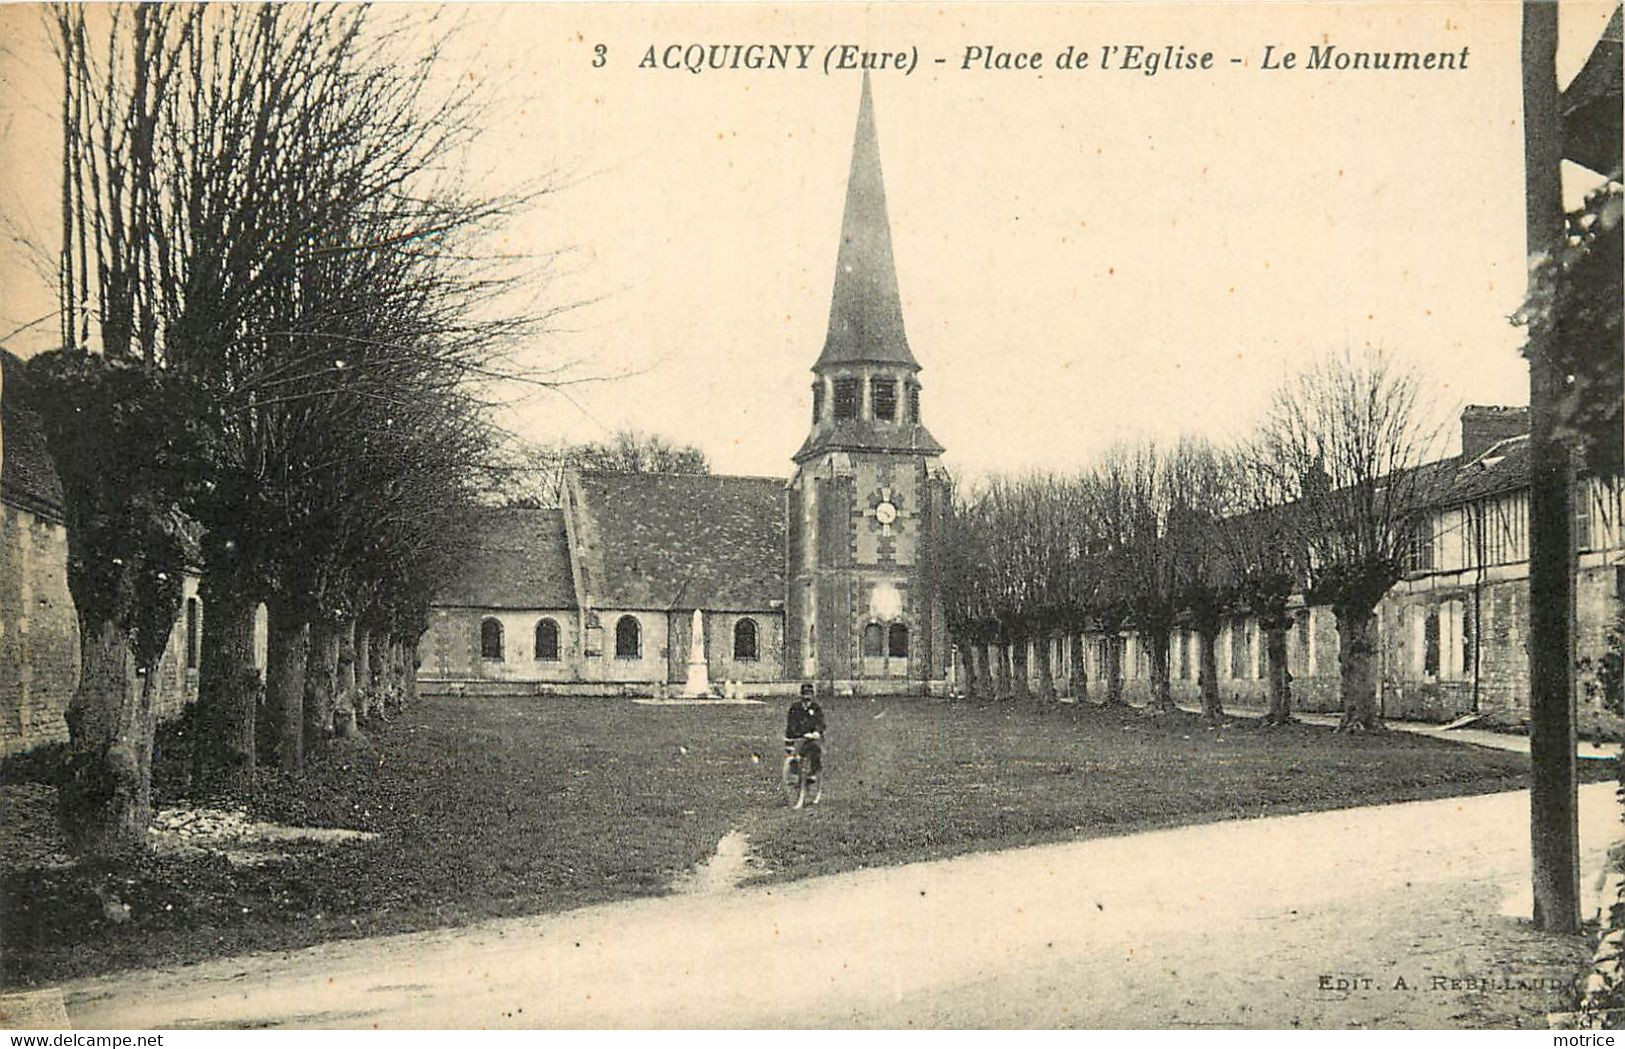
[(451, 649)]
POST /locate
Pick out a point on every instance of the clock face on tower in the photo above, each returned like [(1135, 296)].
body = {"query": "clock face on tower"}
[(886, 512)]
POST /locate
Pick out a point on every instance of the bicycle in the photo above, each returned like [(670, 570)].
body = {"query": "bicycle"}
[(801, 770)]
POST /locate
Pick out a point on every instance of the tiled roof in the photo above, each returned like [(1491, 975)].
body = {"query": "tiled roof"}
[(513, 558), (867, 435), (661, 541), (1503, 468), (27, 477)]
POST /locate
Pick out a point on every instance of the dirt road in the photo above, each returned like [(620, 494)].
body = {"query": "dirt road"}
[(1382, 916)]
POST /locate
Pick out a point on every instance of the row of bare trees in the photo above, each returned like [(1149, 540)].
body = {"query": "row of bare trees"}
[(1320, 503), (278, 328)]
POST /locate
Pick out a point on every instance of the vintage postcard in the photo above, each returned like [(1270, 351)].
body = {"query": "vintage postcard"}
[(690, 515)]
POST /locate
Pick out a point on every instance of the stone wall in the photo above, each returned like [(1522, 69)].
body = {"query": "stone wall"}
[(1492, 677), (451, 649), (39, 630), (1449, 646), (39, 635)]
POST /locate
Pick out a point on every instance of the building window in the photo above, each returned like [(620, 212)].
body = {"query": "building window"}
[(490, 639), (846, 398), (745, 640), (1184, 655), (874, 640), (883, 398), (1430, 643), (897, 641), (191, 633), (1419, 552), (547, 640), (1455, 644), (628, 638), (913, 403), (1584, 537), (818, 400)]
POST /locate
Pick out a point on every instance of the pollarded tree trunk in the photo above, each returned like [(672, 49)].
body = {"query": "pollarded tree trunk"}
[(363, 672), (106, 802), (1162, 693), (1003, 688), (984, 666), (1357, 665), (378, 660), (345, 692), (1080, 672), (1046, 672), (409, 676), (968, 661), (1280, 679), (321, 681), (287, 637), (397, 672), (228, 682), (1021, 684), (1207, 643), (1113, 651)]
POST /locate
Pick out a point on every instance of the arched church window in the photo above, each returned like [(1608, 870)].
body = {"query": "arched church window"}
[(913, 403), (628, 638), (897, 641), (490, 639), (547, 640), (745, 639), (883, 398), (874, 640), (846, 398), (818, 400)]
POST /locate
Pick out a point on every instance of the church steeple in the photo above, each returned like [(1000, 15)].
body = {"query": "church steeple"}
[(863, 609), (866, 311), (866, 397)]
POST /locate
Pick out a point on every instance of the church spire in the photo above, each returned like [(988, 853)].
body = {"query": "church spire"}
[(866, 311)]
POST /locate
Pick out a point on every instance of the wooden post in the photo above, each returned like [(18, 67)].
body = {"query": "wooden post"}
[(1553, 802)]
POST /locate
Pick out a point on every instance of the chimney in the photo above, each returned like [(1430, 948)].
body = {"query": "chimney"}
[(1483, 426)]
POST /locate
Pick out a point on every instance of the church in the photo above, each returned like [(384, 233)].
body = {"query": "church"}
[(829, 577)]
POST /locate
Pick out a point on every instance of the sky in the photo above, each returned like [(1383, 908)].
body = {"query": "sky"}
[(1085, 256)]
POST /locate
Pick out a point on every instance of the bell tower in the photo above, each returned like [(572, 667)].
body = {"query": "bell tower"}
[(867, 498)]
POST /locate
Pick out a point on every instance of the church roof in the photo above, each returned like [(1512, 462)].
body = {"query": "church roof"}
[(866, 311), (513, 558), (664, 541), (865, 435)]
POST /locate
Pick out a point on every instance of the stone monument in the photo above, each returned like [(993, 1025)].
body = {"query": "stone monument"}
[(699, 679)]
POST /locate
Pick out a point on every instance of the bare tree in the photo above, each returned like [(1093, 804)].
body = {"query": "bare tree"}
[(265, 203), (528, 474), (1261, 563), (1344, 442), (1203, 483), (1149, 521)]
